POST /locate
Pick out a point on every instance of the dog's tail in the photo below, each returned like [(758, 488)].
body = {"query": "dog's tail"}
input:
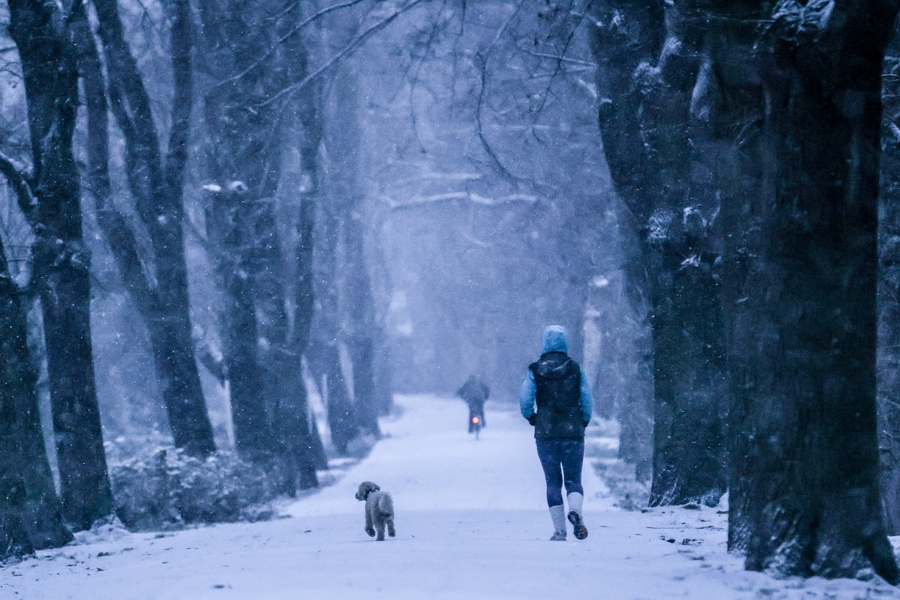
[(386, 505)]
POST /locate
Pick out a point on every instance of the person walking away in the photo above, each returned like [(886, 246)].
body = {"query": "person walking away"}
[(475, 392), (556, 399)]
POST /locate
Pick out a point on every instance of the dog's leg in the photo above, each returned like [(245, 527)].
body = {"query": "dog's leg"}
[(379, 525), (369, 529), (390, 526)]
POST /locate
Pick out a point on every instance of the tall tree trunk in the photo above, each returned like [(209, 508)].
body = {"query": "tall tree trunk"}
[(61, 262), (30, 512), (239, 327), (243, 159), (357, 305), (380, 289), (157, 186), (619, 46), (324, 356), (648, 66), (635, 412), (889, 290), (803, 340), (253, 56), (743, 153), (359, 308), (381, 367), (325, 364), (309, 139)]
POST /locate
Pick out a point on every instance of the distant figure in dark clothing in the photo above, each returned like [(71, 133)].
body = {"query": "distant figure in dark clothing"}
[(556, 399), (475, 392)]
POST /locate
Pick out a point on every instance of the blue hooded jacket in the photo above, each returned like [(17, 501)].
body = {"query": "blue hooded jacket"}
[(554, 340)]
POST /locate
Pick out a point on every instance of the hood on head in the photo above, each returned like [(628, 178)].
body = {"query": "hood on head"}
[(554, 340)]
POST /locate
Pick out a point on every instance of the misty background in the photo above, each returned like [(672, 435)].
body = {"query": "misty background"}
[(232, 231)]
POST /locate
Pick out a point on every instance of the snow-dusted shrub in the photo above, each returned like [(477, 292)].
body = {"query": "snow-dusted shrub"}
[(170, 489)]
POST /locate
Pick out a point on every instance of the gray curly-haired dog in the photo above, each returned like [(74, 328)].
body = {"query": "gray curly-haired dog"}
[(379, 509)]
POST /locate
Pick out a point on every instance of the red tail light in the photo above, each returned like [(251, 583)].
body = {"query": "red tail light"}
[(475, 419)]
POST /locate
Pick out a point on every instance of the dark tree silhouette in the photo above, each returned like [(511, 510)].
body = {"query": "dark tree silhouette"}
[(30, 512), (650, 66), (156, 183), (797, 91), (889, 290), (61, 262), (250, 57)]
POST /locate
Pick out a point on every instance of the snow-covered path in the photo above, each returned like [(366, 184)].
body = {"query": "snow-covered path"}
[(429, 462), (471, 524)]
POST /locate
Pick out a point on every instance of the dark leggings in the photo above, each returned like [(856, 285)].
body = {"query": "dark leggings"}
[(562, 459)]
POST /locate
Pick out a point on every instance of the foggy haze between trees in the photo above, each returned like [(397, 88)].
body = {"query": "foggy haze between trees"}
[(231, 232)]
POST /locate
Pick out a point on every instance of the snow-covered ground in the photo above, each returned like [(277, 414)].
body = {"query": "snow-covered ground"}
[(471, 523)]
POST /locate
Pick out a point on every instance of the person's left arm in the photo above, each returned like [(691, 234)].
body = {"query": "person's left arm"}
[(587, 399), (527, 396)]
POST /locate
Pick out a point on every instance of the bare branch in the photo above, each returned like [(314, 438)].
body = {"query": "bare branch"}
[(17, 175), (484, 141), (565, 59), (414, 78), (483, 59), (465, 197), (561, 57), (349, 48), (283, 39)]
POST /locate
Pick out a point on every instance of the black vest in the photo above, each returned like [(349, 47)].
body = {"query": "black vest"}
[(558, 381)]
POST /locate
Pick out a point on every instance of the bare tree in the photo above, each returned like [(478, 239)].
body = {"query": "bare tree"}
[(30, 512), (159, 289), (250, 55), (61, 262)]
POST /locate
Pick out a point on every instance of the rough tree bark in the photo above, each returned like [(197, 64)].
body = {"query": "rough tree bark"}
[(324, 353), (798, 90), (156, 184), (742, 152), (310, 121), (251, 56), (30, 512), (243, 158), (649, 68), (61, 261), (889, 290), (357, 305), (618, 53)]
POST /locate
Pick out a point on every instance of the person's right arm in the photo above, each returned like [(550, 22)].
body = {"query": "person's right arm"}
[(586, 399)]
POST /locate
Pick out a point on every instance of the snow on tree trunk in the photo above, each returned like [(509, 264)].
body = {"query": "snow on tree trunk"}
[(61, 261), (798, 114), (30, 512), (156, 184), (649, 68), (889, 290), (263, 342), (345, 190)]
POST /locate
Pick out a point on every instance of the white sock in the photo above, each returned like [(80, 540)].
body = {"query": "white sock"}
[(558, 514), (576, 500)]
